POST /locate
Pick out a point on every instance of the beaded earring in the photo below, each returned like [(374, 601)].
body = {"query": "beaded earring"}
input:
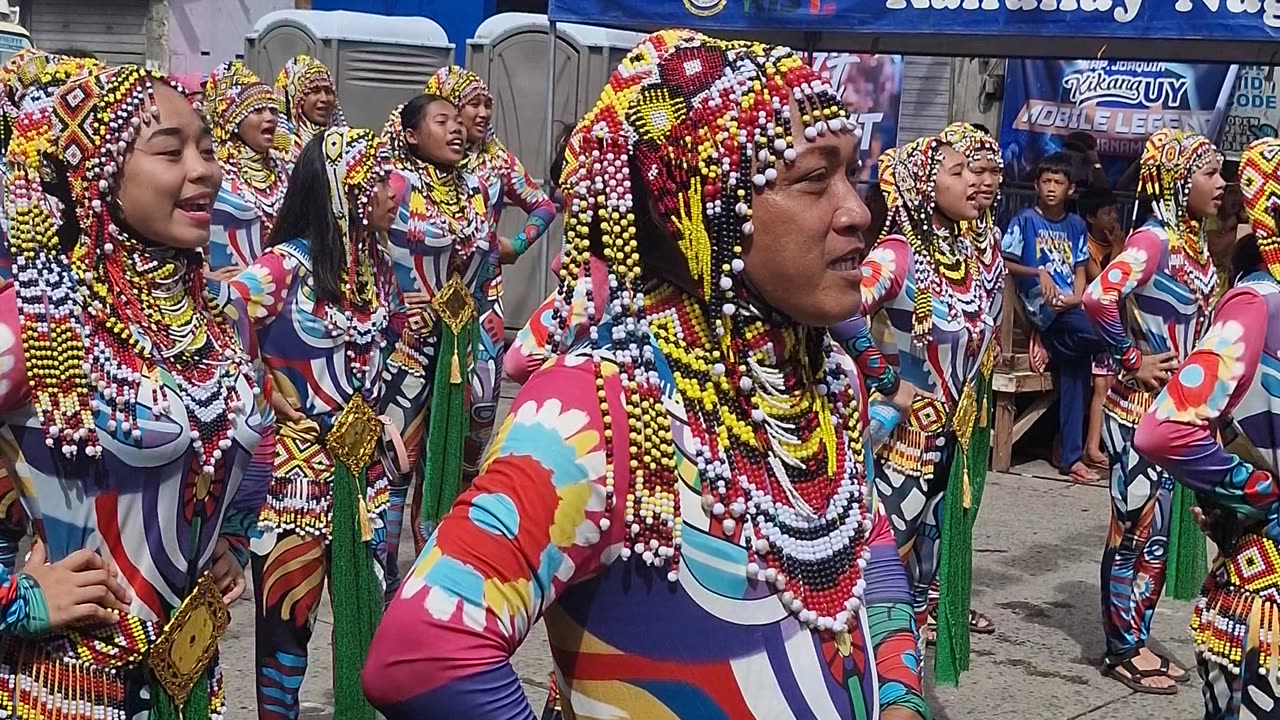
[(1169, 161), (97, 318), (705, 125)]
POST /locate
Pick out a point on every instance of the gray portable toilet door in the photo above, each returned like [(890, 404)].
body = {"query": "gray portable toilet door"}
[(278, 46), (517, 77)]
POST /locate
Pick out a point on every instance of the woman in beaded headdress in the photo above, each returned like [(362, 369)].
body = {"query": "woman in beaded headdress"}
[(310, 104), (325, 305), (243, 112), (1167, 276), (440, 247), (505, 182), (130, 406), (683, 499), (928, 277), (1214, 428)]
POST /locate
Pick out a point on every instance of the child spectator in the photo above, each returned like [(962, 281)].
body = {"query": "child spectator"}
[(1102, 220), (1046, 251)]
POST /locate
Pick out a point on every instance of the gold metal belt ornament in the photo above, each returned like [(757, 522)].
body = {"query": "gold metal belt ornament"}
[(456, 308), (351, 441), (189, 641)]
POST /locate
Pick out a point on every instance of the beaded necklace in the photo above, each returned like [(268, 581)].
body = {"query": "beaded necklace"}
[(459, 86), (1169, 161), (97, 321), (233, 93), (301, 76), (707, 124)]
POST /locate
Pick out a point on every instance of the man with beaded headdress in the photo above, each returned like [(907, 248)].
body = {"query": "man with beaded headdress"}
[(131, 409), (1167, 276), (243, 112), (1214, 428), (927, 273), (681, 493), (311, 105)]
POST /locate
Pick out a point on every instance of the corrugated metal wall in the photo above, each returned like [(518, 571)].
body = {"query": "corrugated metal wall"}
[(926, 97), (113, 30)]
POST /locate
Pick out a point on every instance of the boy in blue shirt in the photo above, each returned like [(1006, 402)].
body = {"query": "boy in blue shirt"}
[(1047, 253)]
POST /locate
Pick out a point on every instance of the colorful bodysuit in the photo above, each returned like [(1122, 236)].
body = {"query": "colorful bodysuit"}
[(139, 506), (531, 541), (313, 349), (913, 466), (1231, 380), (1161, 315), (238, 232)]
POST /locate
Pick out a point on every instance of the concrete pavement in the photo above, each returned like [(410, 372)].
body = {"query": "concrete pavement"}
[(1036, 574)]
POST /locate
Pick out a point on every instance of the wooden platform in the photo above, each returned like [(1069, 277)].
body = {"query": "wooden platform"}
[(1013, 377)]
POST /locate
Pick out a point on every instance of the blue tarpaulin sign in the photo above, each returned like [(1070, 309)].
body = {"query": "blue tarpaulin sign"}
[(1217, 20), (1119, 103)]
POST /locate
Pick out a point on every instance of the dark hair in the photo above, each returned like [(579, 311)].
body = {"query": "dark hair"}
[(1245, 256), (75, 53), (980, 127), (1057, 163), (306, 213), (1094, 199), (412, 112), (556, 168), (1081, 141), (879, 208), (1232, 206)]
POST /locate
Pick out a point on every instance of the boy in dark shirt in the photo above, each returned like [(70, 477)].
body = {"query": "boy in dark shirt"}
[(1046, 252)]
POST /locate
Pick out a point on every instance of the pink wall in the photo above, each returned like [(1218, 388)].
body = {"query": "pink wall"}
[(203, 33)]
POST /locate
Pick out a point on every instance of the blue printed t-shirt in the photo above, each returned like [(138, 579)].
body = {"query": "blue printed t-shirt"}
[(1058, 246)]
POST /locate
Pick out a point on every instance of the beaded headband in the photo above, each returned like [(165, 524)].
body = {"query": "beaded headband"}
[(232, 93), (457, 85), (1260, 185), (356, 163), (976, 146), (85, 331)]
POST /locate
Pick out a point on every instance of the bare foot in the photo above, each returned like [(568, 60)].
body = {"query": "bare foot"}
[(1096, 458)]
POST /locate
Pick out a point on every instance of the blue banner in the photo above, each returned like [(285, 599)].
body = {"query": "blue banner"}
[(1119, 103), (1219, 20)]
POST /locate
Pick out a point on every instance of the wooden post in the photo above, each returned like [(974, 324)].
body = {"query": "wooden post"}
[(157, 36), (1002, 448)]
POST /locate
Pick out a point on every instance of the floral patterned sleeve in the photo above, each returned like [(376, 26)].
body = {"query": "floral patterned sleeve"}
[(1178, 432), (1131, 269), (522, 191), (526, 529), (884, 273)]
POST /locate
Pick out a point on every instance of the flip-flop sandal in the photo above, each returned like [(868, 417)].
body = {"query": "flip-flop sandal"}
[(977, 626), (1166, 666), (1081, 478), (1134, 679)]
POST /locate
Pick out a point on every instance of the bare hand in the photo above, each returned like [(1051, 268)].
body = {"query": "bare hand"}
[(506, 251), (1049, 288), (226, 274), (1204, 519), (82, 587), (417, 300), (227, 573), (285, 409), (1066, 302), (1156, 370), (905, 395)]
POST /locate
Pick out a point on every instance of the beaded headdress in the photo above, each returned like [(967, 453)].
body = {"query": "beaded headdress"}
[(232, 93), (91, 324), (303, 75), (1169, 160), (30, 80), (1260, 185), (459, 86), (976, 146), (702, 125), (356, 162)]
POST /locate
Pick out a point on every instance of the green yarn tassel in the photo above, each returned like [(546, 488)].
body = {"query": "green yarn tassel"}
[(357, 597), (1188, 560), (955, 571), (449, 422), (196, 707)]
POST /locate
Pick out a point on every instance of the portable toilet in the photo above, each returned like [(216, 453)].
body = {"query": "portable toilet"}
[(509, 51), (377, 61)]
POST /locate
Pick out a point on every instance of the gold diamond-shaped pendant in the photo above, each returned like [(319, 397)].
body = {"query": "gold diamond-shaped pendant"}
[(454, 304)]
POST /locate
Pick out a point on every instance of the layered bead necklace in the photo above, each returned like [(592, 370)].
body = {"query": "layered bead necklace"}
[(1170, 160), (260, 180)]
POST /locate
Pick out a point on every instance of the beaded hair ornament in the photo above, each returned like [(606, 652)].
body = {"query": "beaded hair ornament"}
[(1169, 160), (30, 80), (703, 125), (301, 76), (1260, 184), (99, 315), (232, 93), (459, 86), (976, 146)]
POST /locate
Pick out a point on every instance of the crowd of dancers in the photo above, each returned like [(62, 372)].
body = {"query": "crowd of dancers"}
[(742, 474)]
